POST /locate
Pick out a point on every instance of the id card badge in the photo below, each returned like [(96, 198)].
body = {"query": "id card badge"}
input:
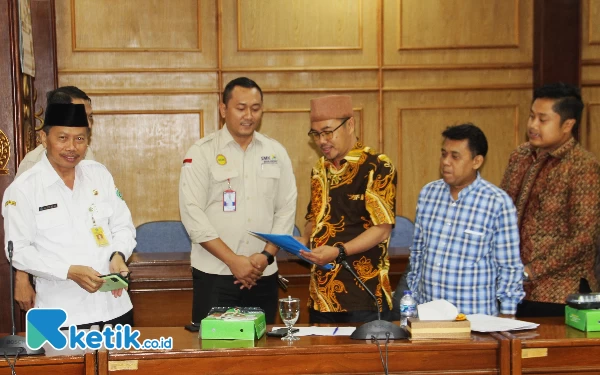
[(99, 236), (229, 200)]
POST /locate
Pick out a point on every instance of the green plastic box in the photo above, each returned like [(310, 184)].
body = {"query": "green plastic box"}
[(227, 344), (583, 320), (234, 324)]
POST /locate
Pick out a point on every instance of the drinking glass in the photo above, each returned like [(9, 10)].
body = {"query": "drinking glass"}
[(289, 310)]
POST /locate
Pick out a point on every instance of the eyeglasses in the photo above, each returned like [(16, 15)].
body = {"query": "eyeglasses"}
[(327, 134)]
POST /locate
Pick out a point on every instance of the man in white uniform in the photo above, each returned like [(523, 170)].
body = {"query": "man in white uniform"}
[(24, 292), (69, 225), (233, 181)]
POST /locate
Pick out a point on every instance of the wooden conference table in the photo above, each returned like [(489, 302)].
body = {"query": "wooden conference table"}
[(552, 348)]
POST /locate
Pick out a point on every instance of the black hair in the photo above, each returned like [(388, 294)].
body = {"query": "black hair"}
[(568, 104), (61, 94), (477, 141), (240, 81)]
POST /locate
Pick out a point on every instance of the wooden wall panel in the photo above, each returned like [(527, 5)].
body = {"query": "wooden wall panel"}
[(311, 80), (591, 30), (440, 78), (99, 83), (590, 123), (300, 25), (590, 76), (593, 15), (435, 24), (418, 32), (322, 33), (134, 25), (146, 155), (593, 133), (136, 35), (414, 123)]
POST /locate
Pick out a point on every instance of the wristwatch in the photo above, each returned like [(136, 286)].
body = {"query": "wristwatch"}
[(270, 257), (342, 255)]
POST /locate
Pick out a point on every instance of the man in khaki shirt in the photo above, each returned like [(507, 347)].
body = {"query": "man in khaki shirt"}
[(24, 292), (234, 181)]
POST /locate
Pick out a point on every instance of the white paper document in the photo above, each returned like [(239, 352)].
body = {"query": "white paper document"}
[(487, 323), (322, 331), (439, 309)]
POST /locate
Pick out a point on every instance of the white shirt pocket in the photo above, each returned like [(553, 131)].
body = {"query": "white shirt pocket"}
[(52, 224)]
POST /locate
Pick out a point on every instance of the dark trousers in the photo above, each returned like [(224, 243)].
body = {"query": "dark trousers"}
[(361, 316), (527, 309), (126, 318), (220, 291)]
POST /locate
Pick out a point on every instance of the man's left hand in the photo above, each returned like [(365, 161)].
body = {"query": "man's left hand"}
[(259, 261), (117, 265), (321, 255)]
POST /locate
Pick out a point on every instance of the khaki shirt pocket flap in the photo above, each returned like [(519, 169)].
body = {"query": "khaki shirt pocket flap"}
[(221, 174)]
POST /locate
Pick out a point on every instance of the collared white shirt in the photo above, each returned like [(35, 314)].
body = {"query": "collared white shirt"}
[(35, 155), (50, 227), (265, 187)]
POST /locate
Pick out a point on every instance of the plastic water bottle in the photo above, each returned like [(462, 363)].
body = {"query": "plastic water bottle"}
[(408, 307)]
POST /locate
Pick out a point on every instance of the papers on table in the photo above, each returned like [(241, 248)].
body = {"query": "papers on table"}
[(287, 243), (322, 331), (487, 323)]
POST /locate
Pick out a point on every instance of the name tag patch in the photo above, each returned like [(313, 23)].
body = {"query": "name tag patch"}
[(272, 159), (48, 207)]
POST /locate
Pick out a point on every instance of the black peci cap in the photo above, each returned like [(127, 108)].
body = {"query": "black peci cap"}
[(72, 115)]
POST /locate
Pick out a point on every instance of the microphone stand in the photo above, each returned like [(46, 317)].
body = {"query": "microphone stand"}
[(13, 344), (378, 329)]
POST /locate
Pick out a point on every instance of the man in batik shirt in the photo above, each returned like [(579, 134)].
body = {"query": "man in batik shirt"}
[(555, 184), (350, 217)]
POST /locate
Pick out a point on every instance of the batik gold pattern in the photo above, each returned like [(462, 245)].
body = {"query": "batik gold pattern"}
[(344, 203), (325, 287)]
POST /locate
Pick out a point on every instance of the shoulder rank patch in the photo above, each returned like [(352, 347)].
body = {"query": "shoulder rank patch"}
[(10, 203)]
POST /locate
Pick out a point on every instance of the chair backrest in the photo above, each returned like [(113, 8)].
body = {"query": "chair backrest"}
[(162, 237), (402, 234)]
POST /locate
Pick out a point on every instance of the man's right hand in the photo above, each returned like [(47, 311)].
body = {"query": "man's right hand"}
[(243, 270), (24, 292), (86, 277)]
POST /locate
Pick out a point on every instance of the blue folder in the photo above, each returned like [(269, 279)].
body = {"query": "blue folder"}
[(289, 244)]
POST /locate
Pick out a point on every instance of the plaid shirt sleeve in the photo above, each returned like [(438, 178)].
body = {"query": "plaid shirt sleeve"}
[(416, 254), (507, 257)]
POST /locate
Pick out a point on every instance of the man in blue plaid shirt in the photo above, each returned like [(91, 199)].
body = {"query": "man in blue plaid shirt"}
[(466, 242)]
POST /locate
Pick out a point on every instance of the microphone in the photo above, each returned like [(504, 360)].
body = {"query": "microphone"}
[(378, 329), (13, 344)]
